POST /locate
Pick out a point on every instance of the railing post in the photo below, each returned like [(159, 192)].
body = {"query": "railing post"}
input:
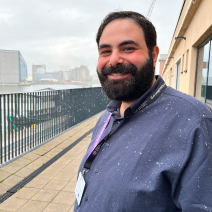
[(8, 120), (1, 150)]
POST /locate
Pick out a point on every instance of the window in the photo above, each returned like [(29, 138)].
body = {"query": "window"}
[(177, 73), (203, 88)]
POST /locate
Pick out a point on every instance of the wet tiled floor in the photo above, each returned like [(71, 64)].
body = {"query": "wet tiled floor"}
[(53, 189)]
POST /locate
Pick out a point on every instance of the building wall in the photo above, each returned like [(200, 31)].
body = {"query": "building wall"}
[(13, 68), (195, 23), (162, 63), (22, 68)]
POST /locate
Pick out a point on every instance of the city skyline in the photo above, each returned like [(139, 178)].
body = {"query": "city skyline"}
[(56, 34)]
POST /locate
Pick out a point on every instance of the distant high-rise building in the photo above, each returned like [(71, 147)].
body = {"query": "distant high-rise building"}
[(39, 72), (81, 74), (64, 68), (13, 68)]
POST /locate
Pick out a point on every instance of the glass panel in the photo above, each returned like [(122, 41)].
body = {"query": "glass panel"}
[(209, 85), (202, 72), (178, 75)]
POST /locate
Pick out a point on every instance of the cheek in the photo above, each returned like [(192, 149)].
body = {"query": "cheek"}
[(137, 59), (101, 63)]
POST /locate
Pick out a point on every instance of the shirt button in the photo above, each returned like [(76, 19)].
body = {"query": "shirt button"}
[(107, 145), (97, 170), (86, 198)]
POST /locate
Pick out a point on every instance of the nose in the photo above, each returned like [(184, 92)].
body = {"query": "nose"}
[(115, 59)]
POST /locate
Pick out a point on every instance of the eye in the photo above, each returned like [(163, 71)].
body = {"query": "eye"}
[(103, 52), (128, 49)]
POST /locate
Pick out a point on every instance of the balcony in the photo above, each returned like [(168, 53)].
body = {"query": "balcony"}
[(43, 177)]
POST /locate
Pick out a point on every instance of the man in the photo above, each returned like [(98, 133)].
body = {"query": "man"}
[(151, 150)]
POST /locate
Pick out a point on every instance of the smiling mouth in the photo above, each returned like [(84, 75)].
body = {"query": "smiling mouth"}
[(116, 76)]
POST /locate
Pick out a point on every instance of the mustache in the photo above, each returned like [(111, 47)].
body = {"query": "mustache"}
[(120, 68)]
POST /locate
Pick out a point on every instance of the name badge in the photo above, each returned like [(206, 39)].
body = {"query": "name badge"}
[(80, 187)]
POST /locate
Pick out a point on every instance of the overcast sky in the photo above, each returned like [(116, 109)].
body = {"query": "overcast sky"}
[(62, 33)]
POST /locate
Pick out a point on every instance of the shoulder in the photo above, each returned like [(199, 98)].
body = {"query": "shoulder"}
[(185, 102)]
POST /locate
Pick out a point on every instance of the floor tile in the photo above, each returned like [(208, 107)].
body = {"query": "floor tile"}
[(55, 185), (52, 207), (4, 174), (47, 174), (22, 161), (72, 209), (12, 204), (64, 197), (24, 172), (37, 183), (12, 180), (3, 188), (63, 176), (70, 186), (45, 195), (26, 193), (11, 168), (31, 156), (33, 206)]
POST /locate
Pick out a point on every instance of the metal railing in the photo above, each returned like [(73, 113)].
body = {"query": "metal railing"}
[(29, 119)]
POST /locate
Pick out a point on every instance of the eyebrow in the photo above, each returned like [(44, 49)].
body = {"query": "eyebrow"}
[(104, 46), (128, 42), (121, 44)]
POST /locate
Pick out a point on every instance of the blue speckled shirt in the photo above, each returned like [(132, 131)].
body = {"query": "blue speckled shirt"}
[(158, 160)]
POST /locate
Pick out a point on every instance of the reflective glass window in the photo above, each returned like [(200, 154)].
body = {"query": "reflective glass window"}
[(209, 81), (202, 72)]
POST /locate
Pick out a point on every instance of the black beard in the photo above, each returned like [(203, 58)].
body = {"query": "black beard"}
[(127, 89)]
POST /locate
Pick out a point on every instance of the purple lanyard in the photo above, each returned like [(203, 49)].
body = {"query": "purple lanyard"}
[(98, 139)]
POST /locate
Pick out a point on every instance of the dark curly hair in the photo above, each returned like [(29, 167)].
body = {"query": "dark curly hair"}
[(148, 28)]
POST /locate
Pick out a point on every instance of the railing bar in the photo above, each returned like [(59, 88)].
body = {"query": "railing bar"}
[(16, 147), (42, 112), (5, 139), (25, 124), (12, 117), (52, 118), (30, 127), (28, 123), (35, 115), (50, 121), (56, 108), (40, 117), (19, 139), (33, 119), (44, 120), (60, 121), (8, 113), (54, 111), (1, 152), (21, 125), (47, 115)]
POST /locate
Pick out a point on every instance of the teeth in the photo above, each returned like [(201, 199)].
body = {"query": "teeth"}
[(116, 74)]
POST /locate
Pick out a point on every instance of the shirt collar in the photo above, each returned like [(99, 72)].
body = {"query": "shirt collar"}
[(114, 105)]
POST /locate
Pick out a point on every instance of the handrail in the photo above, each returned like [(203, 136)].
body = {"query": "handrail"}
[(29, 119)]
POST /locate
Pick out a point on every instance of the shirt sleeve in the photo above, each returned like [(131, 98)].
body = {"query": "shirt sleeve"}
[(194, 187)]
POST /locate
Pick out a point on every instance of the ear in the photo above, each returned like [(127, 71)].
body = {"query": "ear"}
[(155, 53)]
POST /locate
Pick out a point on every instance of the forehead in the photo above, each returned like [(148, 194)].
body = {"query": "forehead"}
[(122, 29)]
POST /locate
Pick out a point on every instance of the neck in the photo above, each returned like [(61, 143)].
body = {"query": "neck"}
[(125, 105)]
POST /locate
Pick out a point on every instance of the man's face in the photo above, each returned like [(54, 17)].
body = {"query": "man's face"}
[(125, 67)]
